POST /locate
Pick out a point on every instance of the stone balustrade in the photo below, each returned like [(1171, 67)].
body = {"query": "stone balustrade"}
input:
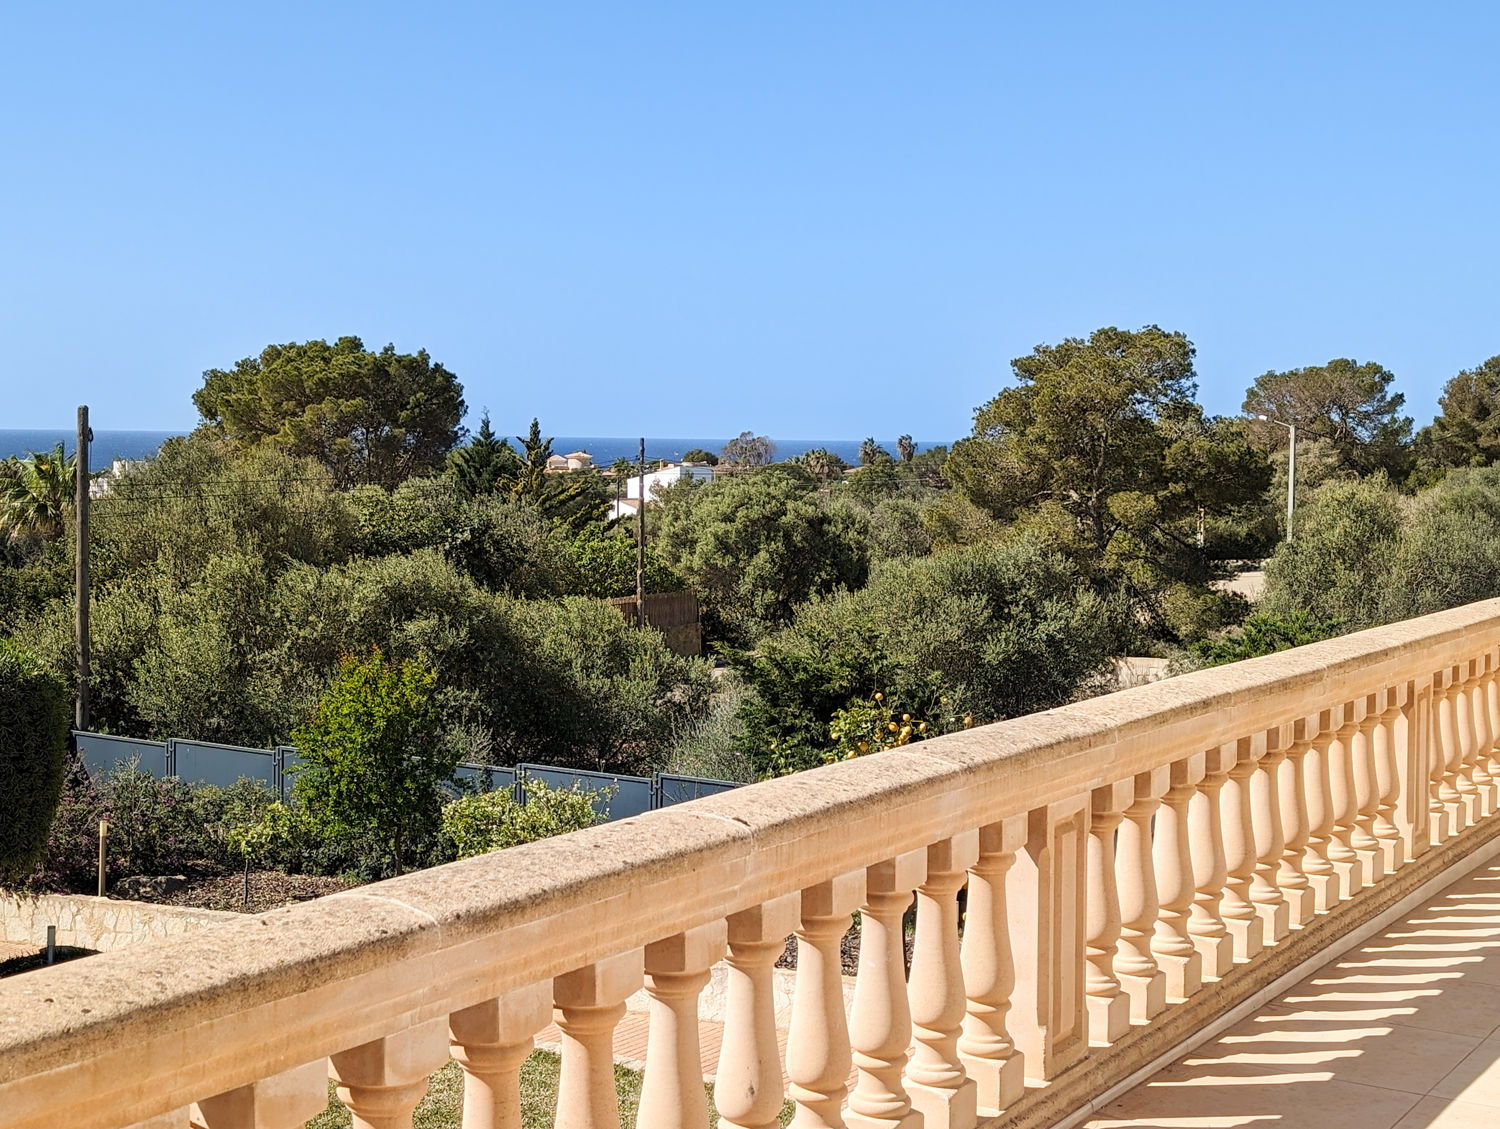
[(1091, 884)]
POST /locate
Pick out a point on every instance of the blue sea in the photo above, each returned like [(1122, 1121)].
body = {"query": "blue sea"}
[(106, 447), (110, 445), (606, 449)]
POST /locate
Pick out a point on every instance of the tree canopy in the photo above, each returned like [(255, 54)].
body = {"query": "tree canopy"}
[(1466, 431), (749, 449), (1101, 443), (368, 417), (1346, 402), (753, 547), (482, 464)]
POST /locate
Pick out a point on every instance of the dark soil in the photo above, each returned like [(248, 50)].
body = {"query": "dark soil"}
[(848, 949), (212, 889)]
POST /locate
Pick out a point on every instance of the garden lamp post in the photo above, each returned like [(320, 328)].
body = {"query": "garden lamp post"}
[(1291, 467)]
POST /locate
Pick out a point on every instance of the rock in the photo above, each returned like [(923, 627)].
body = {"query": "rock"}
[(148, 887)]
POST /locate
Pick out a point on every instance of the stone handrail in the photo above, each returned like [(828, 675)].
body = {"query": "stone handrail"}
[(1118, 855)]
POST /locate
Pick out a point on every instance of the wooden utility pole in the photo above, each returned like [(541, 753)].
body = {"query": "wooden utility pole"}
[(640, 537), (81, 572)]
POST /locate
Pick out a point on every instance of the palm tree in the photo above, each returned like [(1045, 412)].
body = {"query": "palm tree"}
[(871, 452), (36, 494), (907, 448), (822, 464)]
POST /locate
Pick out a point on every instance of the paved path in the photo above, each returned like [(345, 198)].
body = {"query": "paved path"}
[(1402, 1033), (9, 950)]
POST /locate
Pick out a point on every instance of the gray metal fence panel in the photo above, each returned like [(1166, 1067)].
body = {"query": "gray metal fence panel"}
[(673, 788), (483, 778), (632, 794), (289, 761), (205, 762), (101, 753)]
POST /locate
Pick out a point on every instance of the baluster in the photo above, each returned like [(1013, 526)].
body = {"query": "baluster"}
[(1345, 806), (1239, 911), (490, 1041), (382, 1081), (1439, 814), (1173, 861), (1451, 754), (1291, 874), (1316, 863), (677, 970), (1270, 843), (283, 1101), (818, 1057), (880, 1022), (1109, 1006), (1388, 785), (1412, 736), (986, 1048), (1210, 866), (1139, 974), (1367, 796), (1468, 751), (1492, 703), (1484, 738), (747, 1089), (590, 1003), (945, 1096)]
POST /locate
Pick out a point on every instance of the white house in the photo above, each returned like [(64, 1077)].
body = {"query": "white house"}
[(669, 475), (623, 508), (105, 481)]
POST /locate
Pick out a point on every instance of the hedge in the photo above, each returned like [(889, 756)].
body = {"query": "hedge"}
[(35, 712)]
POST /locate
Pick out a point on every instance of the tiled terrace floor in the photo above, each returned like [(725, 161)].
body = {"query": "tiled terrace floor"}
[(1401, 1033)]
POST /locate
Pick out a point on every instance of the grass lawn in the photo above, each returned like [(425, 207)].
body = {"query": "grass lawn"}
[(442, 1108)]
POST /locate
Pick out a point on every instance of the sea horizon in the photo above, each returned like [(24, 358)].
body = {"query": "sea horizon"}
[(109, 445)]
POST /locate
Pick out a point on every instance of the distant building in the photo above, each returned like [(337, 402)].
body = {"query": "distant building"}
[(576, 460), (105, 481), (667, 476), (623, 508)]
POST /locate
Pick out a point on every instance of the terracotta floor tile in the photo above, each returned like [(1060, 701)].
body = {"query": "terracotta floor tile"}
[(1181, 1097), (1438, 1113), (1476, 1079), (1373, 1054)]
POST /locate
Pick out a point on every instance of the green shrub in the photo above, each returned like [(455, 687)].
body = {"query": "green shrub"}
[(155, 826), (988, 632), (69, 865), (372, 760), (34, 716), (1338, 566), (490, 821), (1263, 634)]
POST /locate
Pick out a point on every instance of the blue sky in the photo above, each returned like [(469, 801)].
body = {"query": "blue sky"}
[(828, 219)]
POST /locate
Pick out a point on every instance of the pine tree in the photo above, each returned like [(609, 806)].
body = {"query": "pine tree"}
[(484, 463)]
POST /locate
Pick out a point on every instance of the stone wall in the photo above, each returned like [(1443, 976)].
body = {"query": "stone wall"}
[(97, 923)]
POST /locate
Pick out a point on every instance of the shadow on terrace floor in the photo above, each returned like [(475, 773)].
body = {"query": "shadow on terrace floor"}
[(1401, 1033)]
